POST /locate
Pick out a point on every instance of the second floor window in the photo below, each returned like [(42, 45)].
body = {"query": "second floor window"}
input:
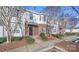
[(40, 17), (17, 31), (45, 18), (31, 16)]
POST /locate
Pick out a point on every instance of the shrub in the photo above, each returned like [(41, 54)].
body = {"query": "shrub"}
[(60, 36), (54, 35), (29, 39), (3, 39), (43, 37), (16, 38)]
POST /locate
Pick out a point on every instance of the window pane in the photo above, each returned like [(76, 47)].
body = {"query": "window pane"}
[(31, 16)]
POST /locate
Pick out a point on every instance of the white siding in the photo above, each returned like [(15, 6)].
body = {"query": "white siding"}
[(18, 32), (36, 18), (1, 31)]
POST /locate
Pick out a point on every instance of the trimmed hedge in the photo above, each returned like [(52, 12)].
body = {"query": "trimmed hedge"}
[(16, 38), (54, 35), (60, 36), (43, 37), (29, 39), (3, 39)]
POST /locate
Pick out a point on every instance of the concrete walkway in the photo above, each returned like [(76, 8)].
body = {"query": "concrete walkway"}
[(36, 47)]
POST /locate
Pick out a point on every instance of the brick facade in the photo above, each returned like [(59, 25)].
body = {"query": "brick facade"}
[(35, 30)]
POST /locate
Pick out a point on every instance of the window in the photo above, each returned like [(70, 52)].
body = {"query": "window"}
[(31, 16), (34, 17), (44, 17), (17, 31), (40, 17)]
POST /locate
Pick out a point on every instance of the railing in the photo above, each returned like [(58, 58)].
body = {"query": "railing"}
[(32, 22)]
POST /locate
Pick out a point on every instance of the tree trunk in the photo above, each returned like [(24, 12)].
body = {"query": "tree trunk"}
[(7, 36), (9, 33)]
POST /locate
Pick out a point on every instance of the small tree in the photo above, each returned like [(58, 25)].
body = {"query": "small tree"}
[(6, 15), (53, 14)]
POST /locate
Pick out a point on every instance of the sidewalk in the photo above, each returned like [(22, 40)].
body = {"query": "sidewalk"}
[(36, 46)]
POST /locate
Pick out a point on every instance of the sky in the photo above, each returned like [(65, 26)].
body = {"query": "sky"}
[(66, 9), (40, 8), (35, 8)]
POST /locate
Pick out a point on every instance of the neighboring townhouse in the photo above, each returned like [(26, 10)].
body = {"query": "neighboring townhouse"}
[(75, 29), (53, 26), (55, 29), (35, 23), (62, 25), (72, 25)]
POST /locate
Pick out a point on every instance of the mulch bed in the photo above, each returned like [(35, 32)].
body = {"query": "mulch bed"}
[(51, 37), (69, 46), (16, 44), (12, 45)]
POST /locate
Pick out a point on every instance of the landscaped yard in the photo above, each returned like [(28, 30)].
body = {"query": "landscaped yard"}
[(68, 46), (12, 45), (20, 42)]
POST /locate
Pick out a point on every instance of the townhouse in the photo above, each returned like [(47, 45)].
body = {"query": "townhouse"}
[(35, 23), (32, 23)]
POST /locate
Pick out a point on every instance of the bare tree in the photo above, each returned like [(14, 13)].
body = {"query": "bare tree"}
[(62, 25), (53, 13), (72, 20), (7, 13), (72, 23)]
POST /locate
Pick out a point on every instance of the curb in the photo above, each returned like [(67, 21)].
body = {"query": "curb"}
[(45, 49), (63, 50)]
